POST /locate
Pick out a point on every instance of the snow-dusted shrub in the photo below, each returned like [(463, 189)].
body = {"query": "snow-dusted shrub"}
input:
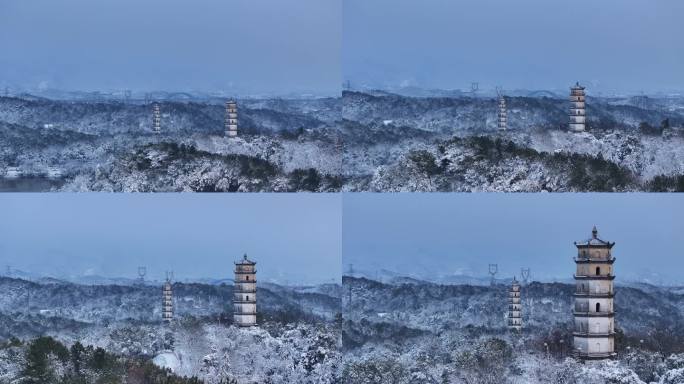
[(674, 376), (385, 371)]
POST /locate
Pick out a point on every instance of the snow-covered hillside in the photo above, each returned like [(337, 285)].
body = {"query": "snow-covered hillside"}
[(284, 145), (426, 332), (298, 338), (399, 143), (360, 142)]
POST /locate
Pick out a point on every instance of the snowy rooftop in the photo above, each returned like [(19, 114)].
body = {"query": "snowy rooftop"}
[(594, 241), (245, 260), (577, 86)]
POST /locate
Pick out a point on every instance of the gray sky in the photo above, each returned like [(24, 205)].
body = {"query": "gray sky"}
[(292, 237), (255, 46), (611, 45), (443, 234)]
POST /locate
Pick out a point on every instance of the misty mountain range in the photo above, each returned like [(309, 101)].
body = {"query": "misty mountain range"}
[(386, 276)]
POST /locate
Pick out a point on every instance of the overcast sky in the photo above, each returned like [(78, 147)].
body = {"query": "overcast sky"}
[(240, 46), (611, 45), (441, 234), (294, 238)]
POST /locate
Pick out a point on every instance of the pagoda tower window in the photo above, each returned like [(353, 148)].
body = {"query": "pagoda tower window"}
[(598, 307), (598, 271)]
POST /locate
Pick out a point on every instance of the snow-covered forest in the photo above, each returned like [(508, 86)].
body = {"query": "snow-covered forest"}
[(451, 143), (109, 145), (52, 331), (363, 141), (412, 331)]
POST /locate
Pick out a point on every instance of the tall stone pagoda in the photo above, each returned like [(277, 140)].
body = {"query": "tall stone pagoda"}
[(502, 122), (244, 293), (231, 121), (594, 335), (167, 300), (156, 118), (577, 108), (514, 307)]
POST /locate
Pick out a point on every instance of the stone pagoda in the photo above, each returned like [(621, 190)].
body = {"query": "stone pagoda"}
[(244, 293), (594, 335)]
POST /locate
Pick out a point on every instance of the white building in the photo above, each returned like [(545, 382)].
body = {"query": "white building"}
[(577, 108), (244, 293), (594, 335)]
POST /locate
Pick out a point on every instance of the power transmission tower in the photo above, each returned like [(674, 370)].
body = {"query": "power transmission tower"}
[(525, 273), (493, 269), (474, 87), (142, 271)]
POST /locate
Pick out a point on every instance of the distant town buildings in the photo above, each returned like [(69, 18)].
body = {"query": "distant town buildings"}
[(13, 172), (231, 118), (577, 108), (514, 307), (244, 293), (594, 335), (54, 172)]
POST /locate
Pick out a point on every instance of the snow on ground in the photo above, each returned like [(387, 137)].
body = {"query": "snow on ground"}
[(167, 360)]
